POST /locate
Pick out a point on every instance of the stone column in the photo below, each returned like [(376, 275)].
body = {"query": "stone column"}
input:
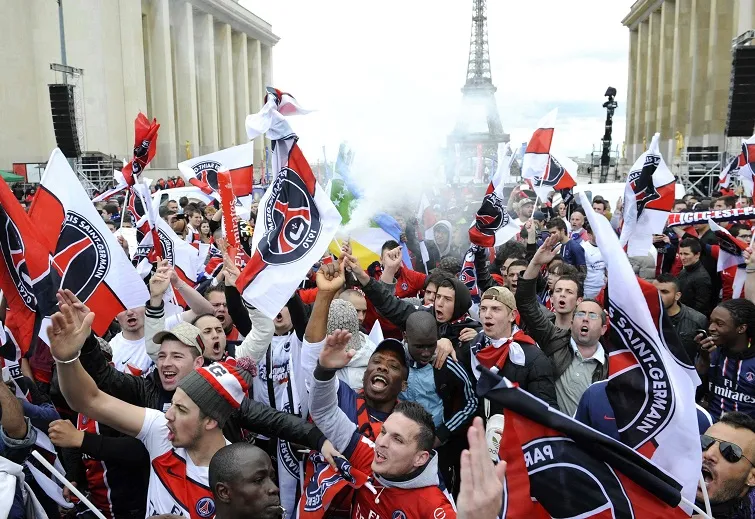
[(204, 50), (665, 66), (224, 71), (640, 94), (698, 48), (681, 70), (132, 57), (718, 71), (267, 66), (745, 16), (161, 81), (257, 94), (631, 132), (241, 84), (187, 118), (653, 54)]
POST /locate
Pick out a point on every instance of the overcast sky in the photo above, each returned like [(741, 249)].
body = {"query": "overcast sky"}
[(386, 76)]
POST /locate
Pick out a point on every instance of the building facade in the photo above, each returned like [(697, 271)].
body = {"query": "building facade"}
[(680, 60), (198, 66)]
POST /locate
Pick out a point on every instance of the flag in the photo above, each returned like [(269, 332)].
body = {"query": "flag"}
[(651, 382), (468, 274), (537, 154), (730, 257), (730, 172), (648, 200), (746, 163), (230, 219), (503, 171), (323, 483), (296, 220), (558, 467), (343, 170), (425, 214), (145, 147), (202, 172), (86, 257), (342, 198), (180, 254), (366, 244), (25, 279)]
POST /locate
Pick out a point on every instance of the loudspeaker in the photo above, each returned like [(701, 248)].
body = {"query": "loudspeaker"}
[(741, 119), (64, 120)]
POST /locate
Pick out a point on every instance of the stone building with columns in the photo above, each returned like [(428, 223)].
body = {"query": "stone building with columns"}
[(680, 60), (198, 66)]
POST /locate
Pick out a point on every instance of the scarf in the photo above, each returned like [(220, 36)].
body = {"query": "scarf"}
[(492, 357)]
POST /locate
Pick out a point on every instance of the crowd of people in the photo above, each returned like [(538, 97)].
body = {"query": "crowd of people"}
[(219, 411)]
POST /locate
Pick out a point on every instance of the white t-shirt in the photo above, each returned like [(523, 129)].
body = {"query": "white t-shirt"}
[(176, 485), (130, 356), (596, 270)]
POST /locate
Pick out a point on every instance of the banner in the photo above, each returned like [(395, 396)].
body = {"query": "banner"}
[(558, 467), (720, 215), (651, 382), (648, 200), (87, 258), (230, 219), (296, 220), (25, 279)]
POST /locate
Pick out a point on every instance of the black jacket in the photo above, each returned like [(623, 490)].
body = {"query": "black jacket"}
[(686, 323), (555, 342), (398, 311), (148, 392), (536, 376), (696, 288)]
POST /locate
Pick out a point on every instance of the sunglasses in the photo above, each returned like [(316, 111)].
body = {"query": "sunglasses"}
[(730, 451)]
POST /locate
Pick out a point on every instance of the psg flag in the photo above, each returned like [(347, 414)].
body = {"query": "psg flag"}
[(558, 467), (651, 381), (296, 219), (24, 271), (87, 258), (648, 200)]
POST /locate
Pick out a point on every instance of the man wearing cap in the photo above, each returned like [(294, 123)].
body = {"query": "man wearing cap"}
[(505, 349), (179, 355), (180, 442), (447, 393), (524, 209)]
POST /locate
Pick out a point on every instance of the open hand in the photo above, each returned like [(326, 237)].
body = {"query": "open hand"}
[(481, 491), (334, 354), (68, 332), (545, 252), (160, 280)]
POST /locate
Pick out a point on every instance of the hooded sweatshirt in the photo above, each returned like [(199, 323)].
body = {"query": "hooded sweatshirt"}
[(460, 318), (418, 494), (445, 224)]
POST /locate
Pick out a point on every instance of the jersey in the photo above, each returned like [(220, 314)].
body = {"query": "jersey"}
[(731, 385), (130, 356), (596, 270), (176, 485)]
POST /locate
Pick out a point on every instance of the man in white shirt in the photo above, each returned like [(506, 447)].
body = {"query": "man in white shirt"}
[(129, 350), (596, 267), (524, 211)]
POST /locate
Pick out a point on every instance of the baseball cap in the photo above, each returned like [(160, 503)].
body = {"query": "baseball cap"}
[(538, 215), (395, 346), (217, 389), (501, 294), (182, 332), (525, 201)]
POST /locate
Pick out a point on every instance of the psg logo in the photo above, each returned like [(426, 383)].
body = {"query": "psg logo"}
[(205, 507), (291, 218), (553, 174), (207, 172), (642, 182), (12, 250), (82, 257), (398, 514)]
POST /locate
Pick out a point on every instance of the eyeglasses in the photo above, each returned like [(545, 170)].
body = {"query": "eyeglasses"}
[(592, 315), (730, 451)]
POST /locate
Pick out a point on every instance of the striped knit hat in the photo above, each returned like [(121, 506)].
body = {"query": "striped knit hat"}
[(217, 389)]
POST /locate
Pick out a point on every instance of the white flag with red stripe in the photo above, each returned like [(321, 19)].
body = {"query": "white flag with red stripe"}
[(296, 220), (86, 255), (650, 388)]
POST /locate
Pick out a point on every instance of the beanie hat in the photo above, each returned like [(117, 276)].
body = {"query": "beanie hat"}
[(217, 389), (343, 316)]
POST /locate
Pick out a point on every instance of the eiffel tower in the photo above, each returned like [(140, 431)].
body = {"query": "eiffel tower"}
[(478, 129)]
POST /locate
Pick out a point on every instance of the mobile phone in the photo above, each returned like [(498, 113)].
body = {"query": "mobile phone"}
[(702, 331)]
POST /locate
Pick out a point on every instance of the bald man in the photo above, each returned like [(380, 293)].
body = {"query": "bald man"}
[(357, 299), (242, 480), (447, 393)]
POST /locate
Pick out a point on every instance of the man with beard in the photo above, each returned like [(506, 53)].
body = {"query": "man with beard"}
[(728, 469), (727, 358), (686, 321), (242, 480), (401, 465), (576, 351), (450, 307)]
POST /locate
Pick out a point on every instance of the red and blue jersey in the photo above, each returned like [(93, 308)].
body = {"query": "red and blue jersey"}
[(731, 383)]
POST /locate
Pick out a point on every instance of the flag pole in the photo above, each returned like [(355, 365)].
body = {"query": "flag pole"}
[(67, 483), (696, 508), (124, 208), (705, 495)]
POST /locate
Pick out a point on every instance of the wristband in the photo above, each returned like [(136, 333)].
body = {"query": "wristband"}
[(78, 354), (749, 269)]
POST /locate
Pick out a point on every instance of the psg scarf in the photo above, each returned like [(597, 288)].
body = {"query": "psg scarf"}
[(701, 217)]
